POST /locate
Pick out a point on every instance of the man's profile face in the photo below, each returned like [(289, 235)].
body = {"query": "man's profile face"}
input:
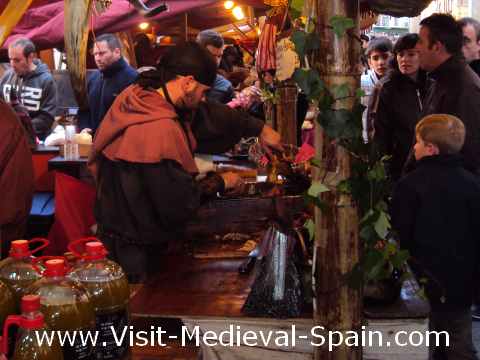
[(217, 53), (21, 65), (378, 61), (471, 44), (194, 92), (426, 51), (104, 56)]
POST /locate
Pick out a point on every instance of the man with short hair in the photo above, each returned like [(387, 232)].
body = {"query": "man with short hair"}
[(378, 53), (222, 90), (453, 88), (112, 77), (30, 82), (471, 42)]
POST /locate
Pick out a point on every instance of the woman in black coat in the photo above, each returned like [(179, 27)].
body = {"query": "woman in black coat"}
[(396, 104)]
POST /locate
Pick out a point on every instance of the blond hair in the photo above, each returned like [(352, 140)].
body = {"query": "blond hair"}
[(446, 132)]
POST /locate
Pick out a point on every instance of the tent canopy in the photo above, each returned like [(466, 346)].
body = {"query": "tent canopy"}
[(43, 22)]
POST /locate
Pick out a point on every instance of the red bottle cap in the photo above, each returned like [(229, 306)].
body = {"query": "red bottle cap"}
[(30, 303), (19, 249), (34, 324), (55, 267), (95, 250)]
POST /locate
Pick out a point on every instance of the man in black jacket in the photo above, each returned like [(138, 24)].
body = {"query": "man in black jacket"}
[(452, 86), (471, 42), (435, 210), (30, 81), (112, 77)]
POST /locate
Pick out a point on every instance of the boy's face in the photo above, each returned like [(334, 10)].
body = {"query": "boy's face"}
[(378, 61), (423, 149)]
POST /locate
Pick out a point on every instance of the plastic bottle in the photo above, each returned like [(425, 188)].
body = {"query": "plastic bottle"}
[(7, 302), (109, 292), (18, 270), (71, 147), (66, 306), (7, 306), (31, 328)]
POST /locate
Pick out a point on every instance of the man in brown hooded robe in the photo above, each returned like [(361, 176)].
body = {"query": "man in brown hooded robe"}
[(143, 157), (16, 178)]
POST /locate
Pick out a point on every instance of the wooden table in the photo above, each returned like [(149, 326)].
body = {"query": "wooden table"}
[(209, 294), (75, 168), (44, 178)]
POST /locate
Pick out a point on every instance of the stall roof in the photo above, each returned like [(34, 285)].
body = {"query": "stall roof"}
[(43, 22)]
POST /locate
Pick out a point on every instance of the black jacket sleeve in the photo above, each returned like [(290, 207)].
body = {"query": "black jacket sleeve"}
[(218, 127), (382, 116), (174, 193), (404, 205)]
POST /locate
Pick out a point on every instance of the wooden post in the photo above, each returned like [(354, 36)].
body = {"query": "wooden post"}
[(336, 306), (286, 114)]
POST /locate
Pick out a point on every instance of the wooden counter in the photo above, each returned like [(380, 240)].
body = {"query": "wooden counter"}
[(210, 293)]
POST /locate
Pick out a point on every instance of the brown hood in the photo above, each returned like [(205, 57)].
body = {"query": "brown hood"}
[(16, 168), (142, 127)]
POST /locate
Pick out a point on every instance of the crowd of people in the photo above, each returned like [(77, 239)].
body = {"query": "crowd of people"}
[(423, 110)]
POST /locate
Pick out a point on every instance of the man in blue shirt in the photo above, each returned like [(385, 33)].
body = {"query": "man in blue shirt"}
[(113, 75)]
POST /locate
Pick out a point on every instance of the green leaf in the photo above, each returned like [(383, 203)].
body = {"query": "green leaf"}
[(359, 93), (317, 188), (368, 217), (377, 173), (334, 122), (316, 201), (421, 294), (313, 42), (399, 259), (341, 91), (325, 102), (310, 226), (344, 186), (368, 234), (296, 8), (341, 24), (423, 280), (382, 225), (309, 81), (374, 263), (299, 38), (316, 162)]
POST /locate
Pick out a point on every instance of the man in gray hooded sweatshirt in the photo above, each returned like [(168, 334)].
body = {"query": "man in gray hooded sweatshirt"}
[(30, 82)]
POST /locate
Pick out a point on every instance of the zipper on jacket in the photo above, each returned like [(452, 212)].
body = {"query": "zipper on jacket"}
[(419, 100)]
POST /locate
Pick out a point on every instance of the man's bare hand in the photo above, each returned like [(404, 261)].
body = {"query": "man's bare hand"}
[(270, 139), (232, 180)]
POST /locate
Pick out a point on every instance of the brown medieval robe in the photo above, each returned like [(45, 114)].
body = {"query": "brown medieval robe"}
[(16, 177)]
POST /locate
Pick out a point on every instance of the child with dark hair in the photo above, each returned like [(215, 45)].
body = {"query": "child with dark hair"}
[(396, 104), (378, 53), (434, 211)]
